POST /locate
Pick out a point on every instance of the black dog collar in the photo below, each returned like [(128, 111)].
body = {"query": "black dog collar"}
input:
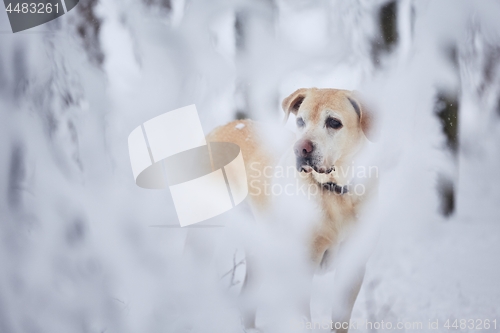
[(332, 187)]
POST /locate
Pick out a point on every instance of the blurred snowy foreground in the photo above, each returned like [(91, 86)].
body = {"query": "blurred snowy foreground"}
[(83, 249)]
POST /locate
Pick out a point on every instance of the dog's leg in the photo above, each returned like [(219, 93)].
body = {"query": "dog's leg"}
[(348, 281)]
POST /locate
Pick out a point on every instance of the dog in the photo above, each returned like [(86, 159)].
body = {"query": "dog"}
[(333, 128)]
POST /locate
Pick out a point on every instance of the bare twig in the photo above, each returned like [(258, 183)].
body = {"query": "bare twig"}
[(232, 271)]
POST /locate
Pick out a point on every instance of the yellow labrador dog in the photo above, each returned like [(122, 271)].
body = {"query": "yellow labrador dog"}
[(333, 127)]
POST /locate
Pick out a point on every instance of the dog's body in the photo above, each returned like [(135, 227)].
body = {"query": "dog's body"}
[(332, 129)]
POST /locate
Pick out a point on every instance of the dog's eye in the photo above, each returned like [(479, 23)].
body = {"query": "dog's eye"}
[(300, 122), (333, 123)]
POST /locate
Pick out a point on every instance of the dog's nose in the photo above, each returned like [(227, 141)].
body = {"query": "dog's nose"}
[(303, 148)]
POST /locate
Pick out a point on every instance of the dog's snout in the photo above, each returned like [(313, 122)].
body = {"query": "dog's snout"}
[(303, 148)]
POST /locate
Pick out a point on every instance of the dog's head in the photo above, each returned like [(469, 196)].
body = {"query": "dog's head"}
[(332, 126)]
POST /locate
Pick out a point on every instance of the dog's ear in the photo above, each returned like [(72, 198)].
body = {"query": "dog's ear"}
[(365, 114), (292, 103)]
